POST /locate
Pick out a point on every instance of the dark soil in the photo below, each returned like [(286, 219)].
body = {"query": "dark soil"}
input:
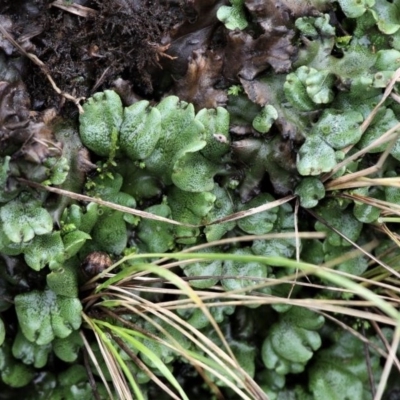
[(113, 39), (142, 48)]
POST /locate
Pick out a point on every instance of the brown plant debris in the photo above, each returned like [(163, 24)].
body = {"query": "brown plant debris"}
[(198, 85)]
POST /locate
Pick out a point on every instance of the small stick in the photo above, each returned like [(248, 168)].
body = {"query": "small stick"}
[(81, 197), (44, 69), (77, 9)]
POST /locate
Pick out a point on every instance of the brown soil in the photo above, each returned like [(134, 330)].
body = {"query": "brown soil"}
[(115, 38)]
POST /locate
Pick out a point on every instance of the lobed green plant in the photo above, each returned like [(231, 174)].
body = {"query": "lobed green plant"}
[(233, 16), (179, 188)]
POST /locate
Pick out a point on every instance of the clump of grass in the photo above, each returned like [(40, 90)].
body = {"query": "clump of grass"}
[(372, 297), (122, 291)]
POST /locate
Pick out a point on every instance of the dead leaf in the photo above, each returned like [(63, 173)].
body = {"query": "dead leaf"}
[(14, 116), (274, 16), (246, 57), (124, 88), (40, 144), (197, 86), (193, 33), (199, 14), (20, 136), (183, 47)]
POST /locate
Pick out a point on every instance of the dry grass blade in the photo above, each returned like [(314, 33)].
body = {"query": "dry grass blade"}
[(357, 179), (143, 367), (355, 333), (76, 9), (383, 139), (389, 363), (352, 183), (319, 306), (252, 211), (96, 364), (81, 197), (119, 382), (363, 281), (228, 364), (390, 135), (378, 284), (89, 372), (146, 215), (297, 238), (355, 245), (351, 254), (386, 94), (393, 236), (385, 342), (388, 207), (250, 238), (368, 364)]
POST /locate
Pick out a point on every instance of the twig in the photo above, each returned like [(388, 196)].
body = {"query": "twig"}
[(44, 69), (101, 79), (81, 197), (144, 214), (76, 9)]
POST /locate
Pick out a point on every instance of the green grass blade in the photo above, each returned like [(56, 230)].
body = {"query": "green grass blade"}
[(185, 288), (331, 276), (148, 353), (121, 362), (126, 272)]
